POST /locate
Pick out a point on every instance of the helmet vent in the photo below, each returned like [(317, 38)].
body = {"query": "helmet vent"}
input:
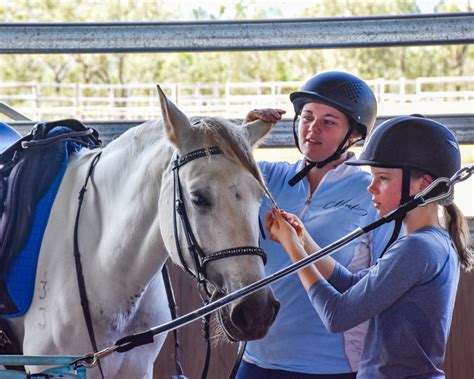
[(351, 90)]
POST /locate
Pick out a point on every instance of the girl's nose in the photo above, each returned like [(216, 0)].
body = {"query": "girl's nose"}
[(372, 187)]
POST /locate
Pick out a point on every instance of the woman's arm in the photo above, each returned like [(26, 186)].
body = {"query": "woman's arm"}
[(289, 231), (272, 115)]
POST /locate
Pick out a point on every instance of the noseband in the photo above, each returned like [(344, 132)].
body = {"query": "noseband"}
[(200, 259)]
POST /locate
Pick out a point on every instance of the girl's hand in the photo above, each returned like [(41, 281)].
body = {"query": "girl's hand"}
[(280, 229), (272, 115), (304, 237), (294, 221)]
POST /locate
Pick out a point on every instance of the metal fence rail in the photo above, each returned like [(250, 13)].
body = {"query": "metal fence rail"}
[(334, 32), (281, 136), (45, 101)]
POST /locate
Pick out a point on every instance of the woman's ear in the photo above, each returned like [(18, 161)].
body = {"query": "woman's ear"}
[(355, 136)]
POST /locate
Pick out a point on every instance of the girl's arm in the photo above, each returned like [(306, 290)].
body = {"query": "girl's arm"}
[(382, 284)]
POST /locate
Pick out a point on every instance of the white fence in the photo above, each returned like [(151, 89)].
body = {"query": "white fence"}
[(40, 101)]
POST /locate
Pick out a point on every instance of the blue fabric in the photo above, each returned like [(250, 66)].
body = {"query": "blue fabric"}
[(409, 298), (22, 271), (298, 341), (8, 136), (248, 370)]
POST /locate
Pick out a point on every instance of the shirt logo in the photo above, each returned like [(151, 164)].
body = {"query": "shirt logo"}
[(346, 205)]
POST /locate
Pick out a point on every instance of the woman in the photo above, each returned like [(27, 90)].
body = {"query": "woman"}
[(333, 110), (409, 295)]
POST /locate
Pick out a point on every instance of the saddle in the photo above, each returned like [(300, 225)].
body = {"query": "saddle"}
[(28, 168)]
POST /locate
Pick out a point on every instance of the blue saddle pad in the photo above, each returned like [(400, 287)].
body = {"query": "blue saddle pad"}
[(22, 272), (8, 136), (36, 181)]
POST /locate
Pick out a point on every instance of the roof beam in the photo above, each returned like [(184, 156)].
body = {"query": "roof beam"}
[(282, 34)]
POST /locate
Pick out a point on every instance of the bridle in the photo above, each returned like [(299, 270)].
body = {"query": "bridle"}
[(200, 259)]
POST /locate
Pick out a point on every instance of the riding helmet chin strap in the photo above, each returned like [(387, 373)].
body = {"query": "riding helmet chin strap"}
[(341, 149), (406, 172)]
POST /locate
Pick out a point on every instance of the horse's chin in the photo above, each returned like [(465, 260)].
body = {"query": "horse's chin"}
[(231, 332)]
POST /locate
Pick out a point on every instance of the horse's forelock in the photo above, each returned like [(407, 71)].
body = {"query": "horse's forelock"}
[(232, 141)]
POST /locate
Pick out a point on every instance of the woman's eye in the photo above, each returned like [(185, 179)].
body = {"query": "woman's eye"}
[(199, 200), (329, 122)]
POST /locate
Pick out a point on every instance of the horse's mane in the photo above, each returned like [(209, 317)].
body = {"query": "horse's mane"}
[(232, 140)]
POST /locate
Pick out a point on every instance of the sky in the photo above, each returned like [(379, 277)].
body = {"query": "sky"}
[(185, 7)]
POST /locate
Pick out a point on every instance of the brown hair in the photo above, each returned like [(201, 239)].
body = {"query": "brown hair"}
[(456, 225)]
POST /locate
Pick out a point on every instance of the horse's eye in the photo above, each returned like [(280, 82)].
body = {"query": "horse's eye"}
[(199, 200)]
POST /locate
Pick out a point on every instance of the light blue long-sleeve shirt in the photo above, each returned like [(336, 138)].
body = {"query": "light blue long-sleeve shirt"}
[(409, 298), (298, 341)]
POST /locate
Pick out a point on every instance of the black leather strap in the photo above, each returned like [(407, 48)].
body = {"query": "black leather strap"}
[(77, 258), (341, 149), (174, 314)]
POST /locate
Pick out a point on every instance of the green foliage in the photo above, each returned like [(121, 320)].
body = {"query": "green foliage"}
[(294, 65)]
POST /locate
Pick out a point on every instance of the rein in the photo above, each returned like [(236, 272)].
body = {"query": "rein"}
[(200, 259), (77, 258), (439, 189)]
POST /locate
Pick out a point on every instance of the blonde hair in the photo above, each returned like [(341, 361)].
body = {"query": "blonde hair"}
[(233, 142)]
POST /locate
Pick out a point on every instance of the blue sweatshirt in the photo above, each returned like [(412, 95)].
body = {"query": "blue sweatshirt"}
[(409, 298)]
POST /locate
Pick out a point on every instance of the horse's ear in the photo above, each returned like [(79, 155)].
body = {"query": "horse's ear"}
[(256, 130), (175, 121)]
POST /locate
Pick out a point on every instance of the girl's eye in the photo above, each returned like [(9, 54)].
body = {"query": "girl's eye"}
[(199, 200), (307, 118)]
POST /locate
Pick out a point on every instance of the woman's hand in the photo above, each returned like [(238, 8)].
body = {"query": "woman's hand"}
[(283, 228), (272, 115)]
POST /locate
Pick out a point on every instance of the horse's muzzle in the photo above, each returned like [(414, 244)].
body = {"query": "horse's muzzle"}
[(250, 318)]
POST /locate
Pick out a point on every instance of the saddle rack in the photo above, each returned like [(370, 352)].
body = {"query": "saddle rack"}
[(64, 367)]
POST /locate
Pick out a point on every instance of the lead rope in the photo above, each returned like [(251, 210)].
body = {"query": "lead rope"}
[(206, 330), (207, 337), (238, 360), (423, 198), (79, 272)]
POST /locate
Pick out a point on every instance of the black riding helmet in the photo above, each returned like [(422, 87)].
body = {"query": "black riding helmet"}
[(411, 142), (344, 92)]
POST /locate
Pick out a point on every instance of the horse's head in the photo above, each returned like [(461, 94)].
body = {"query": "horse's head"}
[(210, 200)]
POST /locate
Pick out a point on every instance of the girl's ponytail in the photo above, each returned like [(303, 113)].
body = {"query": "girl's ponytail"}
[(456, 225)]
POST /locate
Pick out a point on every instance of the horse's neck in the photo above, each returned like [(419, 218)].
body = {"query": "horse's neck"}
[(121, 213)]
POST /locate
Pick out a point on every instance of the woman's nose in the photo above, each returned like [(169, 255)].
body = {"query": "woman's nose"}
[(314, 127)]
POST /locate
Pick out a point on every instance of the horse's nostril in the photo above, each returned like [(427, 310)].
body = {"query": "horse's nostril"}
[(240, 316), (247, 317), (276, 307)]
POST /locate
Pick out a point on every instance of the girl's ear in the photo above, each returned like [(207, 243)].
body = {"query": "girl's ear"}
[(425, 181)]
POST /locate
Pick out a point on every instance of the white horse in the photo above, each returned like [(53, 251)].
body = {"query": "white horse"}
[(126, 233)]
